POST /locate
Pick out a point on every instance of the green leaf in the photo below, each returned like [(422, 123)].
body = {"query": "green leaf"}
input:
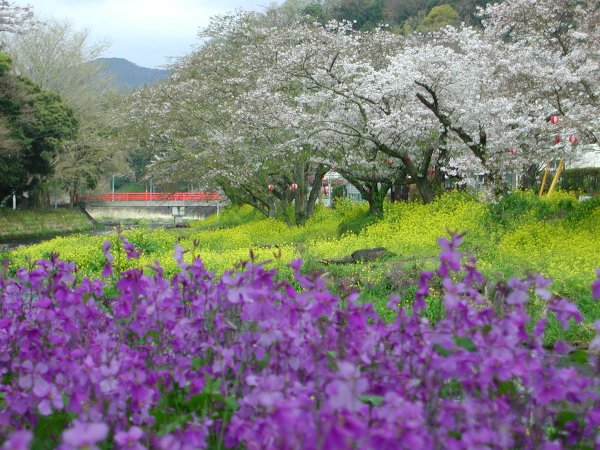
[(564, 417), (48, 430), (507, 387), (466, 343), (443, 351), (231, 403), (451, 389), (197, 362), (212, 386), (373, 400), (198, 403), (455, 434), (578, 356), (262, 363)]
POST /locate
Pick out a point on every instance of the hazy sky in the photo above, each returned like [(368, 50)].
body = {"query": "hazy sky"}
[(145, 32)]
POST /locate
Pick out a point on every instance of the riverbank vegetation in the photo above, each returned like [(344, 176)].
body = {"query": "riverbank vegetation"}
[(521, 233), (452, 321), (23, 225), (248, 360)]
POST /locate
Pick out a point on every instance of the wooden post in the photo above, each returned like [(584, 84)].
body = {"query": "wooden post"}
[(544, 179), (561, 166)]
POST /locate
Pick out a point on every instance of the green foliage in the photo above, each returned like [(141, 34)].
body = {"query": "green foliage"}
[(23, 224), (36, 123), (555, 236), (315, 10), (5, 64), (581, 180), (49, 428), (354, 218), (367, 13), (528, 206), (402, 15), (230, 217), (440, 17)]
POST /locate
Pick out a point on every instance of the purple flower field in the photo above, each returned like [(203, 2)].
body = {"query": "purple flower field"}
[(248, 361)]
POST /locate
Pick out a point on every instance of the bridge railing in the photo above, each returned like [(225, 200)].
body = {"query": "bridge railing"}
[(151, 197)]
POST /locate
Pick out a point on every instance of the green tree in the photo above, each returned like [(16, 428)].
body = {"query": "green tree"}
[(367, 13), (35, 123), (61, 58), (440, 17)]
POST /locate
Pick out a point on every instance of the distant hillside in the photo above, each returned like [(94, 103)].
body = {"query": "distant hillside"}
[(129, 75)]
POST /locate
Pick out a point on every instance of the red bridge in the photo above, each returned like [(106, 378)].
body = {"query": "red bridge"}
[(164, 198)]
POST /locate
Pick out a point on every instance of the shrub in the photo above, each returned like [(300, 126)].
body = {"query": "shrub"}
[(519, 207), (246, 361), (581, 180), (231, 216)]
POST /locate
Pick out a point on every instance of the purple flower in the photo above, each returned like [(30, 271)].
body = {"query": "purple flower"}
[(565, 310), (106, 250), (519, 293), (178, 256), (107, 270), (130, 439), (596, 286), (285, 364), (450, 256), (595, 343), (422, 291), (344, 392), (85, 435), (19, 440), (540, 287), (128, 247)]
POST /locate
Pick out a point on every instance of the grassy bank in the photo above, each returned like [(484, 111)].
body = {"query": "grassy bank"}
[(557, 237), (32, 224)]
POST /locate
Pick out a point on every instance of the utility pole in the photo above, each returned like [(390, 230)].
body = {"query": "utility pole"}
[(329, 192)]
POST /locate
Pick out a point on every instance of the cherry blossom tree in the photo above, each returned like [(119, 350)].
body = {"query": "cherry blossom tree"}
[(339, 105), (270, 102), (13, 18), (563, 72), (203, 123)]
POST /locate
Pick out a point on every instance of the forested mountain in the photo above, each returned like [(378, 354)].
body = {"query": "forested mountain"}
[(128, 75), (407, 15)]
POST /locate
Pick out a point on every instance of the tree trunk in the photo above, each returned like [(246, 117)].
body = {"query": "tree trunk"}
[(376, 199), (313, 196), (426, 189), (373, 192), (72, 195), (307, 193), (530, 177)]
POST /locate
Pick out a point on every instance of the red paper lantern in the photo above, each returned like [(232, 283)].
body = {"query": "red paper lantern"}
[(553, 120), (431, 171), (557, 140), (324, 190), (573, 139), (512, 151), (270, 187), (294, 187)]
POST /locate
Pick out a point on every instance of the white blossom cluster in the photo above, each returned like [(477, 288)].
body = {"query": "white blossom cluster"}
[(273, 100)]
